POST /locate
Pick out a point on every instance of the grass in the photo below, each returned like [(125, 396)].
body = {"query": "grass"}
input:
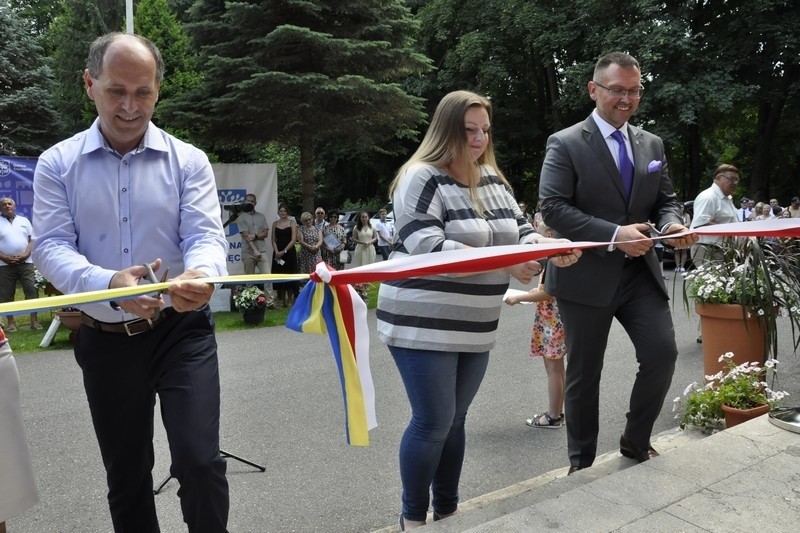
[(26, 340)]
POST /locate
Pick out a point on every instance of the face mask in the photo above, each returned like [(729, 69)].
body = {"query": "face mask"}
[(247, 207)]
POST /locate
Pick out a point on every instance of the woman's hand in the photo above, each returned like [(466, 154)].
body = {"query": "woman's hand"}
[(512, 300), (524, 272), (562, 260)]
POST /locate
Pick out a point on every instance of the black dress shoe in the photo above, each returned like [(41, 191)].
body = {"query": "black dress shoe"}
[(632, 452), (573, 469)]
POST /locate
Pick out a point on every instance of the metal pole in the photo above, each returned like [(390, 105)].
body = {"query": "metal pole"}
[(129, 16)]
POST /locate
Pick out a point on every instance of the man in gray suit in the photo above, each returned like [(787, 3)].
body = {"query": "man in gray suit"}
[(602, 180)]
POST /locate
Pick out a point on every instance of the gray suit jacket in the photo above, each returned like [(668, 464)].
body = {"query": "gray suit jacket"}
[(583, 200)]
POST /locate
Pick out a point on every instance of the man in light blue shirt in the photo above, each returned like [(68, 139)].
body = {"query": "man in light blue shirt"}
[(109, 201)]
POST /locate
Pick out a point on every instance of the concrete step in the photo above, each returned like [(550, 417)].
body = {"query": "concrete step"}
[(481, 511)]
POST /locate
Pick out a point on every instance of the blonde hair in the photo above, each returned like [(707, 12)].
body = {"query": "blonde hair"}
[(446, 142), (305, 216)]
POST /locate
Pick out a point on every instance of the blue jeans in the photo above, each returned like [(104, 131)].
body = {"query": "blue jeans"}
[(440, 388)]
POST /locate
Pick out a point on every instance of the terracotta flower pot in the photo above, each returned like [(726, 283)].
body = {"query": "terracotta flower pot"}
[(734, 416), (726, 330)]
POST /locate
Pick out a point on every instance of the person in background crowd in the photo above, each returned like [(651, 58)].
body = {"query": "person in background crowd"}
[(794, 208), (334, 240), (602, 180), (774, 213), (384, 235), (17, 484), (537, 216), (284, 235), (714, 206), (744, 212), (254, 231), (15, 259), (310, 239), (319, 219), (93, 233), (439, 329), (762, 211), (524, 208), (547, 342), (365, 236)]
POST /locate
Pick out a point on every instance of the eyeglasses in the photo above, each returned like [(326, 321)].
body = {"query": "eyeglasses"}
[(732, 180), (616, 92), (475, 133), (320, 213)]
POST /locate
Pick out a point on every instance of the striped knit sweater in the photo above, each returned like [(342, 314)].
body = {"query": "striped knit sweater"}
[(433, 213)]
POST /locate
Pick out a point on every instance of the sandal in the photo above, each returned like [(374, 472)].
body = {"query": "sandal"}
[(552, 423), (11, 328)]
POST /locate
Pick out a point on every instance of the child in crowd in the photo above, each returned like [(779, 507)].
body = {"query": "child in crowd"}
[(547, 342)]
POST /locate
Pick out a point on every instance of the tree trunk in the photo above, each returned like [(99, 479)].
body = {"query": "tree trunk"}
[(769, 117), (696, 178), (307, 172)]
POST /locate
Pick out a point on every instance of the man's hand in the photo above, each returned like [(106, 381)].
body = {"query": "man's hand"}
[(634, 232), (191, 293), (681, 242), (142, 306)]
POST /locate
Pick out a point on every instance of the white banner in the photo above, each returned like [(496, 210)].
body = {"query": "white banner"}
[(234, 181)]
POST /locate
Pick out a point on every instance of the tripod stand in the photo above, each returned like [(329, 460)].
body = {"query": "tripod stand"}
[(223, 453)]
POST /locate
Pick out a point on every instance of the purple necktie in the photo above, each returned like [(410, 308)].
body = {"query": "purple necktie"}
[(625, 164)]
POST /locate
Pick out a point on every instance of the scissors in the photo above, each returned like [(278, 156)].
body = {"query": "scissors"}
[(151, 277)]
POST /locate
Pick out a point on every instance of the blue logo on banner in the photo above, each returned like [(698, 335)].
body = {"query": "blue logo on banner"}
[(229, 197), (16, 182)]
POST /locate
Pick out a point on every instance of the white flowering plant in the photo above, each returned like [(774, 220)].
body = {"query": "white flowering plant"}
[(248, 298), (39, 280), (741, 386), (751, 273)]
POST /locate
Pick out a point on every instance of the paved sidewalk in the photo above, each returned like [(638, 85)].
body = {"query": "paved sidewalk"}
[(744, 479)]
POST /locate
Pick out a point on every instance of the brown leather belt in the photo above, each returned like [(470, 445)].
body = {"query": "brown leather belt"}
[(130, 328)]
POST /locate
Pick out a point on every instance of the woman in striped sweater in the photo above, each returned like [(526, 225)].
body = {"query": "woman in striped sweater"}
[(439, 329)]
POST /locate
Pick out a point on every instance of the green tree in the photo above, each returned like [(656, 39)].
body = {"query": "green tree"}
[(26, 119), (155, 20), (78, 23), (303, 74)]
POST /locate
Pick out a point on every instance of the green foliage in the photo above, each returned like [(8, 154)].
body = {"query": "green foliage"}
[(27, 121), (764, 278), (280, 70)]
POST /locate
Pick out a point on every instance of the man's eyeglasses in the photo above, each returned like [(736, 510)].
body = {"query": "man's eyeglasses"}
[(476, 133), (616, 92), (320, 213), (732, 180)]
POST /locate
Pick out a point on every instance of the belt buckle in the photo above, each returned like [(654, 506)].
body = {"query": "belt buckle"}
[(130, 333)]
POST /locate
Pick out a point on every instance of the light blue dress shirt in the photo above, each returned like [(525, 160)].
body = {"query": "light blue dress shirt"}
[(98, 212)]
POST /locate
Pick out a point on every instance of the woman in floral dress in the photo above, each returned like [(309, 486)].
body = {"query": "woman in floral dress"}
[(310, 239)]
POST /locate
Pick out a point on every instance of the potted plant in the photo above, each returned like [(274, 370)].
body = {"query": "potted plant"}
[(732, 395), (252, 302), (752, 284)]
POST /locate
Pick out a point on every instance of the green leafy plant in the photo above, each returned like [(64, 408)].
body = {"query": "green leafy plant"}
[(743, 387), (249, 298), (761, 278)]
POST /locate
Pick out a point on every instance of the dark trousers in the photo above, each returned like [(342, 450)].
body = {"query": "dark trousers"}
[(640, 306), (122, 375)]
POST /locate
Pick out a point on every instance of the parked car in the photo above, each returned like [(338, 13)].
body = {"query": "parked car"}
[(348, 221)]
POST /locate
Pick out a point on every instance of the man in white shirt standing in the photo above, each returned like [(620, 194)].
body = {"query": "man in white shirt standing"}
[(714, 206), (384, 235), (15, 259), (745, 211)]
